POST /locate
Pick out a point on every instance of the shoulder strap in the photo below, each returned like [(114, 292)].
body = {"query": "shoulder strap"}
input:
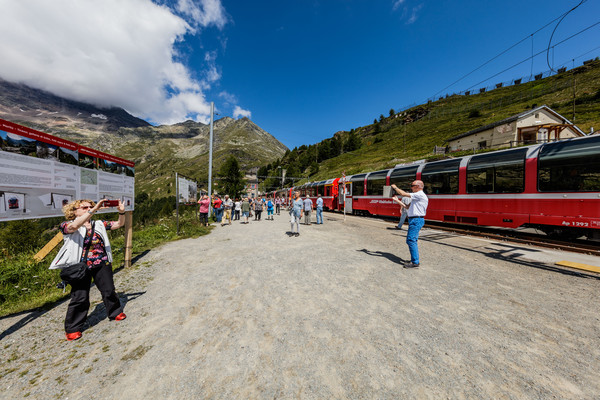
[(87, 248)]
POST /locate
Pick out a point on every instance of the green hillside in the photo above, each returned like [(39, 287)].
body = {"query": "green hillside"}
[(396, 138)]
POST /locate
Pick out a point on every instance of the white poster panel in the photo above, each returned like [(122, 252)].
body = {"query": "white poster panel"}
[(188, 190), (40, 173)]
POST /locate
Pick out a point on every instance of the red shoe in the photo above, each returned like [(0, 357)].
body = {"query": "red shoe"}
[(120, 317), (73, 336)]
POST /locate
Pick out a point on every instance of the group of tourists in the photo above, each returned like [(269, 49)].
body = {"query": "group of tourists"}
[(226, 210), (299, 207)]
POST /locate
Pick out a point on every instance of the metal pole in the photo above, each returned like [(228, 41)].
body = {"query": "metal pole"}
[(210, 151), (177, 200)]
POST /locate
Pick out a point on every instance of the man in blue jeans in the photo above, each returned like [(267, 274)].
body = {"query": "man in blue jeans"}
[(416, 219), (319, 210)]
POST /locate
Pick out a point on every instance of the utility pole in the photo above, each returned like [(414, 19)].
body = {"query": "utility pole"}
[(574, 98), (210, 151)]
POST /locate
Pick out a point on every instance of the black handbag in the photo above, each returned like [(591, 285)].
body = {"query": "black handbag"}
[(78, 271)]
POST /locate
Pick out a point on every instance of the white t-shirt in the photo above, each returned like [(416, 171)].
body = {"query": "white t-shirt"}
[(418, 204)]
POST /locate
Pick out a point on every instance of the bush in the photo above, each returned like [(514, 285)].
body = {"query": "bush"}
[(474, 114)]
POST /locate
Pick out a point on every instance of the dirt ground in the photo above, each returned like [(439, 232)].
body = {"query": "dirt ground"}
[(249, 312)]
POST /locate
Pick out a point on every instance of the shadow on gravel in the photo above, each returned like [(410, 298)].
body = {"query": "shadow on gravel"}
[(99, 312), (29, 316), (392, 257), (510, 253)]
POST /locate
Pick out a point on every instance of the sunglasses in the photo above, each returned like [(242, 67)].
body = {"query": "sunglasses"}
[(85, 207), (413, 185)]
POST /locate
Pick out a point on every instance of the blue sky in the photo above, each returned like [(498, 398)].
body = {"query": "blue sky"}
[(300, 69)]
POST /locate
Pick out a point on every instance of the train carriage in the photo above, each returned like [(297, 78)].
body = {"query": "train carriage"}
[(553, 187)]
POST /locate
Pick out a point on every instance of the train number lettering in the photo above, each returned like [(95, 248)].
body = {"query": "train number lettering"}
[(576, 224)]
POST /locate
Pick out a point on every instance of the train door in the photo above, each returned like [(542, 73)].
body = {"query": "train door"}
[(345, 197)]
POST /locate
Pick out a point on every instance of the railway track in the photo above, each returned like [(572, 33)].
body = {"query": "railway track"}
[(515, 236), (533, 239)]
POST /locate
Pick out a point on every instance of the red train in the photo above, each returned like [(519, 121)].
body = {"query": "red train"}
[(553, 187)]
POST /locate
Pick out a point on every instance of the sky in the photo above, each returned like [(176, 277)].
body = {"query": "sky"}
[(300, 69)]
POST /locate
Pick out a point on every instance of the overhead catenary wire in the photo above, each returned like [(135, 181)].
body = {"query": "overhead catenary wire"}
[(552, 35), (507, 50), (534, 55)]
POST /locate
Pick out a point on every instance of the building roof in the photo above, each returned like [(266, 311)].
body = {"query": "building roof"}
[(515, 118)]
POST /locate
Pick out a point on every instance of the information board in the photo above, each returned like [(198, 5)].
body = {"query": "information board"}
[(188, 190), (39, 173)]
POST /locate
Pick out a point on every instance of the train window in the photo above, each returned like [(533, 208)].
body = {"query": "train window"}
[(321, 188), (497, 172), (403, 177), (572, 166), (441, 177), (358, 184), (376, 182)]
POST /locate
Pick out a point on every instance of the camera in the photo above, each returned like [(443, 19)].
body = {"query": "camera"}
[(110, 203)]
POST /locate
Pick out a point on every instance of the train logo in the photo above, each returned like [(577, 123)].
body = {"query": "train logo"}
[(13, 203)]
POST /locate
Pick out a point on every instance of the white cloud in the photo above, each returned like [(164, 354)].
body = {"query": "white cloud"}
[(208, 12), (397, 4), (228, 97), (240, 112), (212, 73), (110, 53), (414, 14), (409, 14)]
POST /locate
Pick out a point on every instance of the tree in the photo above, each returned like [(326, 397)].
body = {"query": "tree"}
[(232, 182), (324, 151), (335, 149), (392, 112), (262, 172), (353, 142)]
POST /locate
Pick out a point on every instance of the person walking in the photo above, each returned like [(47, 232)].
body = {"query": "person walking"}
[(80, 233), (319, 210), (416, 219), (296, 213), (204, 203), (258, 208), (245, 207), (278, 202), (308, 206), (270, 206), (227, 207), (218, 208), (237, 209)]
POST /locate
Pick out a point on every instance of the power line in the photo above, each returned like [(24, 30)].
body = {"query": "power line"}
[(508, 49), (534, 55), (551, 36)]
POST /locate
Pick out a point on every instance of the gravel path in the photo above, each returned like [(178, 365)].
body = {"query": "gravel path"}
[(248, 312)]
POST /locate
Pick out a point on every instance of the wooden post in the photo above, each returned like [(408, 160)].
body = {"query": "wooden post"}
[(128, 238), (49, 247)]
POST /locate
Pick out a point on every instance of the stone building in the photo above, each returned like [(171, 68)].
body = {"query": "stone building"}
[(539, 125)]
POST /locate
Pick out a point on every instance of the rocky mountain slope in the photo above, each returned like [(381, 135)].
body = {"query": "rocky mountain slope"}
[(158, 151)]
